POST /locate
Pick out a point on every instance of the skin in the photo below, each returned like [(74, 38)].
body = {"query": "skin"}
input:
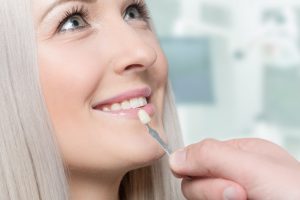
[(237, 169), (79, 68)]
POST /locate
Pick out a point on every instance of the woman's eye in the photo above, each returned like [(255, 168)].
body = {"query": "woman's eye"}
[(132, 13), (72, 23)]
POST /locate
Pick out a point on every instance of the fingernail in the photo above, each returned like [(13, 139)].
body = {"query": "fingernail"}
[(230, 193), (177, 159)]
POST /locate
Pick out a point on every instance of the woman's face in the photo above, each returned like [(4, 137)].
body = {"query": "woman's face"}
[(99, 62)]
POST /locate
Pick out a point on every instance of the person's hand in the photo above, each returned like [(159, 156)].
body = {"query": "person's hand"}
[(237, 169)]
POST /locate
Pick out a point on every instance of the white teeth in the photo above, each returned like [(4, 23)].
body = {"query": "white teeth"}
[(106, 109), (138, 102), (134, 103), (115, 107), (143, 101), (126, 105)]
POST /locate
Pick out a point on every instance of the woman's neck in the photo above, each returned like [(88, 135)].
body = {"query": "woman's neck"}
[(94, 186)]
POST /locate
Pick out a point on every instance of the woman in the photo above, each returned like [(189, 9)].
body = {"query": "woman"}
[(69, 128), (93, 59)]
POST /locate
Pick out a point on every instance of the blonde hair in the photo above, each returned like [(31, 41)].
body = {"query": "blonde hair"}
[(31, 166)]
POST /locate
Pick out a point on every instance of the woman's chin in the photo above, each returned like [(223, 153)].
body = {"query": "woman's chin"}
[(144, 154)]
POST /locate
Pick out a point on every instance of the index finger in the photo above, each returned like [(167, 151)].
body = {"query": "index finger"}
[(212, 158)]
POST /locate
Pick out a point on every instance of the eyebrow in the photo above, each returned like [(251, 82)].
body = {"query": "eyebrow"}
[(59, 2)]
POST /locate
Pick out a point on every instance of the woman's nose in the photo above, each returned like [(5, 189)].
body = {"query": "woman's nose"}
[(134, 51)]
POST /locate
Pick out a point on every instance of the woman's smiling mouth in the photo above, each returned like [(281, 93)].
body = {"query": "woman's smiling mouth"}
[(128, 103)]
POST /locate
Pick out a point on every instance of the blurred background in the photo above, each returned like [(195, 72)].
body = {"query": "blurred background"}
[(234, 66)]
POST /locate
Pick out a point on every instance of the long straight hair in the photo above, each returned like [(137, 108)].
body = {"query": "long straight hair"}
[(31, 166)]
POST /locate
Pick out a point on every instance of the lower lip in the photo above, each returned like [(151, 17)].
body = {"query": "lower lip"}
[(131, 113)]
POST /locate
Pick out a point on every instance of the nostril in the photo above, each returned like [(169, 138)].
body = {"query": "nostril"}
[(135, 66)]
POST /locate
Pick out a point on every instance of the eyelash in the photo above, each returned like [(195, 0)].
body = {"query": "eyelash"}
[(84, 13), (76, 10), (142, 8)]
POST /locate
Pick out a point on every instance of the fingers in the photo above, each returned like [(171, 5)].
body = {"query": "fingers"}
[(212, 189), (211, 158), (260, 146), (219, 169)]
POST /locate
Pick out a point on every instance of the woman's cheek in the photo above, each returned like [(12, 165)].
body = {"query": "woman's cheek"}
[(69, 72)]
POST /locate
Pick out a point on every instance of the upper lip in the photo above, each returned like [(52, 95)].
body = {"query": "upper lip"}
[(141, 92)]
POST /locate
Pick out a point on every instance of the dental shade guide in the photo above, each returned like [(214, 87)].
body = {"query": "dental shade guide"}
[(145, 119)]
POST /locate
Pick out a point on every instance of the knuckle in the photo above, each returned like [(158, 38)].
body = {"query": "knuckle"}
[(204, 153), (205, 147), (207, 143), (199, 156)]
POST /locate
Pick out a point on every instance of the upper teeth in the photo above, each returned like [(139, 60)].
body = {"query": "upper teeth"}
[(126, 105)]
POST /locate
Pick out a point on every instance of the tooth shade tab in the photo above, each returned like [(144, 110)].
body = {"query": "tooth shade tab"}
[(143, 116)]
